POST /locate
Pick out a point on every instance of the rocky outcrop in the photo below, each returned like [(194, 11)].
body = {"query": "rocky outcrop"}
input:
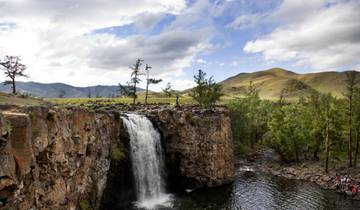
[(77, 158), (54, 158), (198, 146)]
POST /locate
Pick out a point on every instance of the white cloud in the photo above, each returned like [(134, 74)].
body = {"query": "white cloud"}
[(201, 61), (293, 11), (177, 84), (57, 42), (328, 35)]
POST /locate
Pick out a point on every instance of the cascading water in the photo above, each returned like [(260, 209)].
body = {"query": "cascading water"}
[(147, 161)]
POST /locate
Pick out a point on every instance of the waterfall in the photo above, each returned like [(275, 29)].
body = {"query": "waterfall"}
[(147, 161)]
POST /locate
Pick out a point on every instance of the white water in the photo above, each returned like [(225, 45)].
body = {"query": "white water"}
[(147, 162)]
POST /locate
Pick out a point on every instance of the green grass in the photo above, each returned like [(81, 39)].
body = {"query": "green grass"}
[(109, 101)]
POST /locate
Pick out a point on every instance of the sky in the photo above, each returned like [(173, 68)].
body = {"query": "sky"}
[(93, 42)]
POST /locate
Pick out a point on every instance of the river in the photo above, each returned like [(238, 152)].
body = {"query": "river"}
[(256, 190)]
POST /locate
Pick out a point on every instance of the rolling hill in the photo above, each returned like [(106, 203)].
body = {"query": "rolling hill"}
[(271, 82), (54, 90)]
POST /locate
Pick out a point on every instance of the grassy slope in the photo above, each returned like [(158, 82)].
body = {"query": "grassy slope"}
[(271, 82), (11, 99)]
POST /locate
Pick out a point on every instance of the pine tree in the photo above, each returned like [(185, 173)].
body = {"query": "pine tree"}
[(168, 90), (149, 81), (357, 123), (207, 92), (135, 77), (350, 90)]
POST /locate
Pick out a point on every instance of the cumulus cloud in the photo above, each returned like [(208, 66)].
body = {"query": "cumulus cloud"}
[(327, 35), (58, 40)]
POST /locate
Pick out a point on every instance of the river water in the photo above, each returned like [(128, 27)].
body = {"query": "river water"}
[(256, 190)]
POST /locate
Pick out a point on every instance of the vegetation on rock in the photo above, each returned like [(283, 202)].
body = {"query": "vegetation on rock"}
[(116, 153), (84, 204)]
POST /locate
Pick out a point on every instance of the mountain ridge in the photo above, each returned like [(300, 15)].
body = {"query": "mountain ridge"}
[(56, 90)]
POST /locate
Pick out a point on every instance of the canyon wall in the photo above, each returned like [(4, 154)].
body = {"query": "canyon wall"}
[(76, 158), (198, 146)]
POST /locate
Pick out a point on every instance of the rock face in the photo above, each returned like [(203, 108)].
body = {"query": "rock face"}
[(52, 159), (75, 158), (198, 146)]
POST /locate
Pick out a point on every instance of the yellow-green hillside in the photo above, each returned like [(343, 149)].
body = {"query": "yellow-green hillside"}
[(271, 82)]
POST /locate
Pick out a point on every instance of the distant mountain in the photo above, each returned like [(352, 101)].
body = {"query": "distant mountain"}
[(272, 81), (55, 90)]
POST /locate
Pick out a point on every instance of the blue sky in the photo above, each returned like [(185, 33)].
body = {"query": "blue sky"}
[(90, 42)]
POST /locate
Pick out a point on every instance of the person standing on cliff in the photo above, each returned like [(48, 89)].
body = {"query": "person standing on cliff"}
[(177, 100)]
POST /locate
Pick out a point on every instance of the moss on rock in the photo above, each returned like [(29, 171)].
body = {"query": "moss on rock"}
[(117, 153), (84, 204)]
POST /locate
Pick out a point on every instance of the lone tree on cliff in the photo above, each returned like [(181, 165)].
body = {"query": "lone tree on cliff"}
[(207, 92), (135, 77), (149, 81), (13, 68)]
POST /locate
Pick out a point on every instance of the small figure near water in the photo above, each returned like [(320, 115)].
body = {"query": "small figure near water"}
[(177, 101), (346, 185)]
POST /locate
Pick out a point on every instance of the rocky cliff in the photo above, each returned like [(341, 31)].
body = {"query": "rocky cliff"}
[(198, 146), (73, 158)]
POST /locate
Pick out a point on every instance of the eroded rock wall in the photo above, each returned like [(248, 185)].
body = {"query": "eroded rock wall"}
[(198, 146), (54, 158)]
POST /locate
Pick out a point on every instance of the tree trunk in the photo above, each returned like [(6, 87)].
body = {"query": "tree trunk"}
[(134, 96), (147, 91), (327, 146), (350, 133), (317, 149), (357, 148), (13, 86)]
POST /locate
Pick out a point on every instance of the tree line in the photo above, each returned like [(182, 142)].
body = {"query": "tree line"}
[(206, 92), (317, 126)]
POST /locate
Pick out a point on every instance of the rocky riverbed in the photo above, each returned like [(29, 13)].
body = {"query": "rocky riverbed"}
[(312, 171)]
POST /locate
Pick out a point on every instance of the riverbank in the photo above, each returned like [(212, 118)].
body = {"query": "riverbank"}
[(312, 171)]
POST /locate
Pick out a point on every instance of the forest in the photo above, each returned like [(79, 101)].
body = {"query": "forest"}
[(316, 127)]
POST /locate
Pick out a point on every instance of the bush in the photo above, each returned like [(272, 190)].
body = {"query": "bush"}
[(116, 153)]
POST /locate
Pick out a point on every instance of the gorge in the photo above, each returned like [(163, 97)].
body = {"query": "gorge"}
[(79, 158), (142, 157)]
